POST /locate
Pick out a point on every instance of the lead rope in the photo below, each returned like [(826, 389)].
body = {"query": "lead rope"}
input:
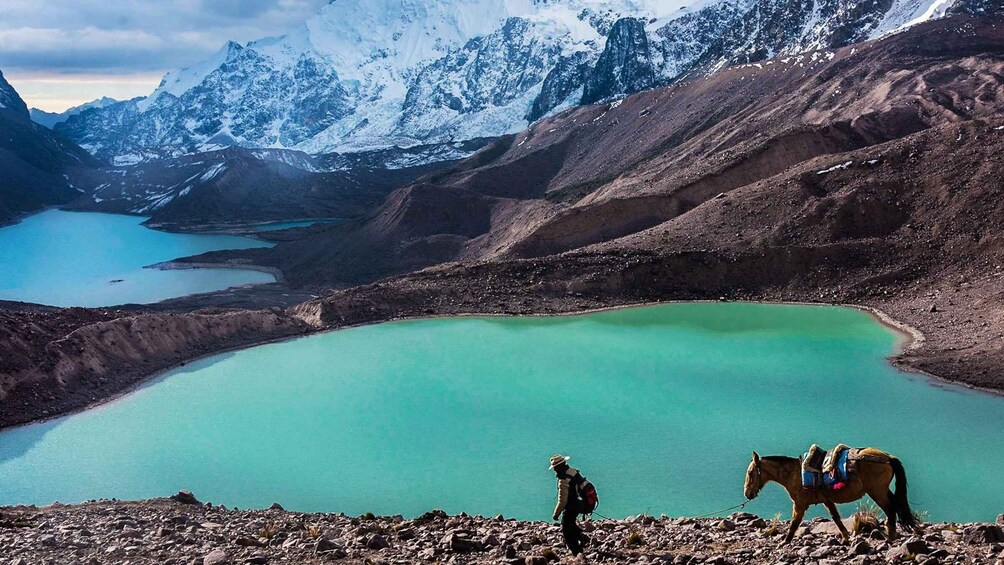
[(736, 507)]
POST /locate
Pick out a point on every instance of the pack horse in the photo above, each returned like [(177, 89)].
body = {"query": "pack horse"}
[(843, 475)]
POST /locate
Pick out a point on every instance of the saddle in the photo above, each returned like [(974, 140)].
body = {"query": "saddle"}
[(827, 470)]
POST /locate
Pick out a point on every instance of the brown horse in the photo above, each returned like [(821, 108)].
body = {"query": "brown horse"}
[(875, 471)]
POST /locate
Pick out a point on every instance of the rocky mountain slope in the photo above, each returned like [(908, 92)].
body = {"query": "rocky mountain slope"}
[(572, 181), (435, 71), (169, 531), (34, 162), (238, 186)]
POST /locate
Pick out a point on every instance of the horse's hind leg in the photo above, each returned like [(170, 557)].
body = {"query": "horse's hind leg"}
[(797, 513), (885, 502), (836, 520)]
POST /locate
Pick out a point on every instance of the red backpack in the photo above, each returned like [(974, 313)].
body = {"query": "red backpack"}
[(587, 494)]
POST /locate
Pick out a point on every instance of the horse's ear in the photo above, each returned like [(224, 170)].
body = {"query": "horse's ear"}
[(756, 458)]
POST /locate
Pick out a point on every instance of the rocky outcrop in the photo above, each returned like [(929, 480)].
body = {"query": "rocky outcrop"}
[(162, 531), (563, 85), (35, 164), (626, 64)]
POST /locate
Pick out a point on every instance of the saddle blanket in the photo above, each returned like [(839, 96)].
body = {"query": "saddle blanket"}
[(842, 473)]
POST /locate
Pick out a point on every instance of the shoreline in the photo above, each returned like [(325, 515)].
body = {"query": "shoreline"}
[(239, 228), (21, 217), (911, 338), (176, 265)]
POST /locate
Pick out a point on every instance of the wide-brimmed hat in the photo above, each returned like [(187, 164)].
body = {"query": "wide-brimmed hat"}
[(558, 460)]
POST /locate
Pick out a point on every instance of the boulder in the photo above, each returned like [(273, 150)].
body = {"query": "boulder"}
[(1000, 519), (377, 541), (490, 540), (432, 515), (247, 541), (325, 545), (909, 549), (276, 506), (823, 552), (185, 497), (916, 546), (982, 534), (460, 544), (861, 548), (216, 557)]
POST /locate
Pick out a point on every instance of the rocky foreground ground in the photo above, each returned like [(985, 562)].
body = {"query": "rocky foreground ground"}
[(183, 531)]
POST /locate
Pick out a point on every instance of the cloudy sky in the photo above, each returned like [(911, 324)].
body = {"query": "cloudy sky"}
[(60, 53)]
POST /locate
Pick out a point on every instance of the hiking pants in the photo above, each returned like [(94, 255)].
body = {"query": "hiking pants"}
[(570, 530)]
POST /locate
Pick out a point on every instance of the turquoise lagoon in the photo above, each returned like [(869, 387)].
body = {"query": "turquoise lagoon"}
[(659, 406)]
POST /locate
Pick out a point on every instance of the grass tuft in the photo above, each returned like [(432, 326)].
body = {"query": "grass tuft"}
[(865, 519), (634, 538), (269, 531), (775, 526)]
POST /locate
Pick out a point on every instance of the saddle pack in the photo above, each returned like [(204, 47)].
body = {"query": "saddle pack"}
[(827, 470)]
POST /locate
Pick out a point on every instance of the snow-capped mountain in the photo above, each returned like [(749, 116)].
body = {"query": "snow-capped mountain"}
[(50, 119), (371, 74)]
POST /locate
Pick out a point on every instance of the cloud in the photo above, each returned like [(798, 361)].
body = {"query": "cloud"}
[(60, 53), (237, 8), (128, 36)]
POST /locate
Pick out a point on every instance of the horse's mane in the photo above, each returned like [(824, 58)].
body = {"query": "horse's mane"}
[(779, 458)]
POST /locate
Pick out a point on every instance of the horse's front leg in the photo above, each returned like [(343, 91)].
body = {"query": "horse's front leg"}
[(797, 513), (836, 520)]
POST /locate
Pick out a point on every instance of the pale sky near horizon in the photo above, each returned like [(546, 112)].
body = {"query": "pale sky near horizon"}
[(62, 53)]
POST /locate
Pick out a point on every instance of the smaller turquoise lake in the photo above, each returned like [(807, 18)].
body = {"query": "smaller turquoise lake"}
[(89, 259), (659, 406)]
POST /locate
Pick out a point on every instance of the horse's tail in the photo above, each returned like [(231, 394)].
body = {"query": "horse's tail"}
[(900, 502)]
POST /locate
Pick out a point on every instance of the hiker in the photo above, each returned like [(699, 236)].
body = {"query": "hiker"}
[(575, 496)]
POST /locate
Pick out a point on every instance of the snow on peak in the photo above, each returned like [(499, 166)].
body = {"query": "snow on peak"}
[(182, 80)]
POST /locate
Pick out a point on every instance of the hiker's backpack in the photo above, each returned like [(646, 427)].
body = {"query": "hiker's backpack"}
[(587, 494)]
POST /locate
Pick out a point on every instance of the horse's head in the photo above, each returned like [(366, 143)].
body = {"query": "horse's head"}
[(754, 478)]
